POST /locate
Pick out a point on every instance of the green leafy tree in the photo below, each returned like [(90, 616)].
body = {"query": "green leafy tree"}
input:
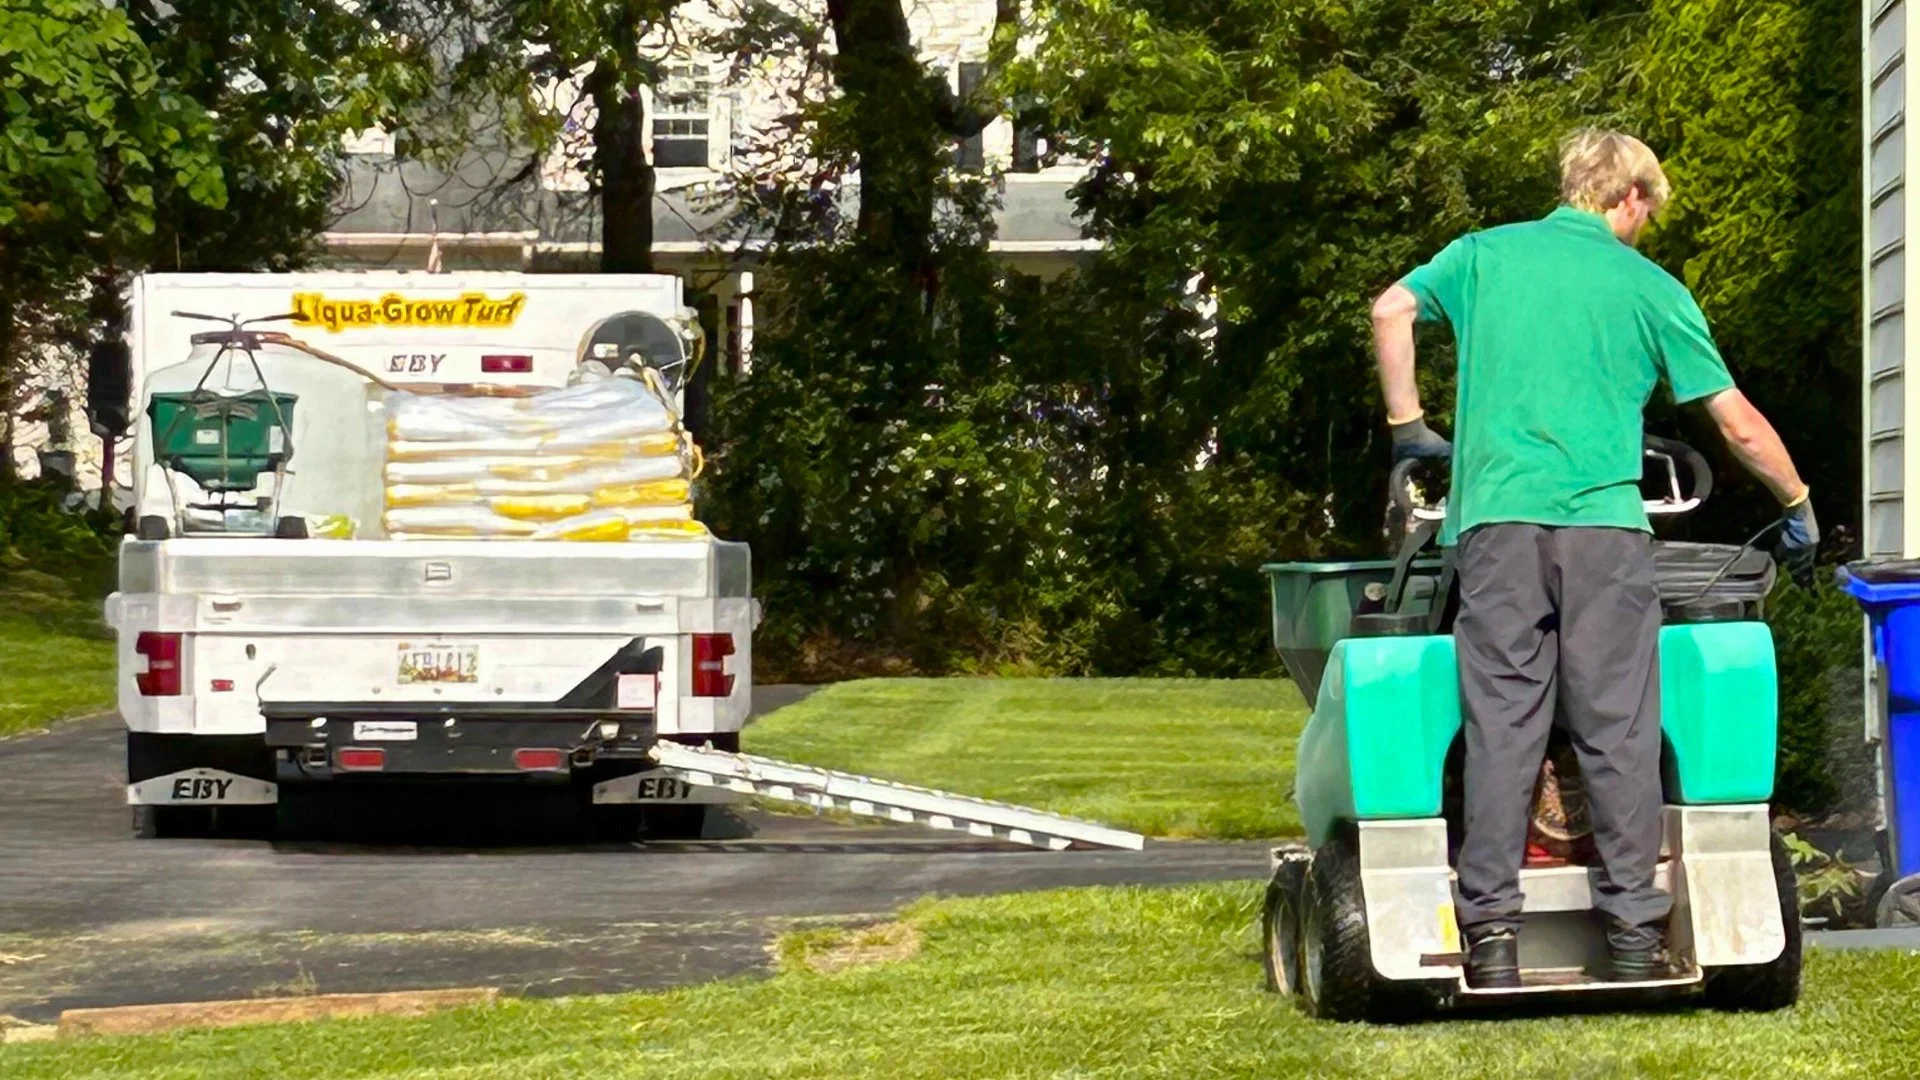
[(1200, 400), (282, 86), (1291, 160), (1756, 108), (519, 72), (194, 135), (885, 455), (94, 138)]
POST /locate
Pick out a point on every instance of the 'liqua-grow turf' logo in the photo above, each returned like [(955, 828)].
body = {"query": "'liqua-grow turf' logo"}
[(393, 309)]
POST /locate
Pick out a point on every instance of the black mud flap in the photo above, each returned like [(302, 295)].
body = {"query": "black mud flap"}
[(199, 770)]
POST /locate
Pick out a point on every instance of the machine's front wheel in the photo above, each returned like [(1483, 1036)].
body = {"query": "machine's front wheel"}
[(1280, 926), (1337, 980), (1775, 984)]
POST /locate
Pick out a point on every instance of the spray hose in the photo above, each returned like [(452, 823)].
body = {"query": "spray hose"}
[(1744, 549)]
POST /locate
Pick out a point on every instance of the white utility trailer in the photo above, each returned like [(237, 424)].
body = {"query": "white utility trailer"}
[(253, 655)]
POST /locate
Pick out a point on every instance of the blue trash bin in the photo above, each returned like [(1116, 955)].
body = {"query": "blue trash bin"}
[(1890, 594)]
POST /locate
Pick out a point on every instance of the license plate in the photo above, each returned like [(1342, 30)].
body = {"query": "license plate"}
[(385, 731), (439, 663), (636, 691)]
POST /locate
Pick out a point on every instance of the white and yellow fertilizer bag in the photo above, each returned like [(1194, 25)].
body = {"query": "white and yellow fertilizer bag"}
[(602, 461)]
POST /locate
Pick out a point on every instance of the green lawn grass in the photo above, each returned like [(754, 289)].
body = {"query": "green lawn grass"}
[(48, 673), (1124, 982), (1167, 757), (56, 654)]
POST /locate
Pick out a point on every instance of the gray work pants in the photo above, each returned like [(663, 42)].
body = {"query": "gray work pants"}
[(1566, 618)]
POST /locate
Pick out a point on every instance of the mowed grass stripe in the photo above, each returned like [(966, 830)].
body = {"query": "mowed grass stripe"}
[(1167, 757)]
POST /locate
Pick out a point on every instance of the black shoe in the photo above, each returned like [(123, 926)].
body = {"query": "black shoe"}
[(1493, 959), (1637, 953)]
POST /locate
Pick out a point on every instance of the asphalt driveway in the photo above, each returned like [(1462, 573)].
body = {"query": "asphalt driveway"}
[(450, 888)]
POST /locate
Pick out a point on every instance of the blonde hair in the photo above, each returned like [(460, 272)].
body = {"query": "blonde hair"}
[(1599, 167)]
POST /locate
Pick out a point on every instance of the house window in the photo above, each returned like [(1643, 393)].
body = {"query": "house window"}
[(682, 117), (970, 155), (733, 338), (1028, 147)]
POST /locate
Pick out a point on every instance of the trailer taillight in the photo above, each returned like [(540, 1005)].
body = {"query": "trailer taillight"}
[(162, 677), (360, 759), (506, 365), (539, 760), (710, 678)]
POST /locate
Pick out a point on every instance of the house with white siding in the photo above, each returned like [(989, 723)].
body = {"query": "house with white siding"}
[(705, 123)]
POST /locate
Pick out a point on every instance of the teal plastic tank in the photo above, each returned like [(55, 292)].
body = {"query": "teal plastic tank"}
[(1376, 744), (1389, 708), (1720, 709)]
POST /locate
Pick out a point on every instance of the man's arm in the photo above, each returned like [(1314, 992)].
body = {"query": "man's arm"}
[(1394, 313), (1393, 317), (1753, 440), (1758, 447)]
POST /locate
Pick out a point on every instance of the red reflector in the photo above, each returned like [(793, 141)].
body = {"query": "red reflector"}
[(710, 678), (162, 677), (539, 760), (222, 686), (506, 365), (358, 759)]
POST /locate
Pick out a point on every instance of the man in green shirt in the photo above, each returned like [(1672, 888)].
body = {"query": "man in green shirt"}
[(1563, 330)]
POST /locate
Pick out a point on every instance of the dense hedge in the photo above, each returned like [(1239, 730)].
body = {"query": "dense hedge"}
[(1824, 763)]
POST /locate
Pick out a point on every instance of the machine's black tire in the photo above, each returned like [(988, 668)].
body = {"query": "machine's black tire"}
[(1775, 984), (151, 527), (1280, 927), (1337, 979), (664, 821)]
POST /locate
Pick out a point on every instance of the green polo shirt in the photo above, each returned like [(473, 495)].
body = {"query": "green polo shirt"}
[(1562, 333)]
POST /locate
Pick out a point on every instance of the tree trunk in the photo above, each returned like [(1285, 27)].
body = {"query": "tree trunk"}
[(903, 119), (896, 132), (7, 388), (620, 154)]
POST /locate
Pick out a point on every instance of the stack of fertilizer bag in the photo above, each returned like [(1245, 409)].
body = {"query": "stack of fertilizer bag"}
[(605, 460)]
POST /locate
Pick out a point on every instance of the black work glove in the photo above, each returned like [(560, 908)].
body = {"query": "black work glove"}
[(1799, 543), (1414, 439)]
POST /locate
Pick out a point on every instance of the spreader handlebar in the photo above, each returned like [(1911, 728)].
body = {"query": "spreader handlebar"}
[(1681, 470)]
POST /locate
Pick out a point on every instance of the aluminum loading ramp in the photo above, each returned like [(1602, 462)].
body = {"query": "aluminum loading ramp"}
[(824, 789)]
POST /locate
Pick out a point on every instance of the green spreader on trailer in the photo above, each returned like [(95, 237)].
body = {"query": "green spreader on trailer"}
[(1360, 923)]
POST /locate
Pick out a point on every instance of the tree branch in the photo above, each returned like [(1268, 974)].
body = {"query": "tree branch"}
[(963, 119)]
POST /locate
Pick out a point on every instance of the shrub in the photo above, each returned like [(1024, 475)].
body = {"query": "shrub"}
[(55, 564), (1824, 764)]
